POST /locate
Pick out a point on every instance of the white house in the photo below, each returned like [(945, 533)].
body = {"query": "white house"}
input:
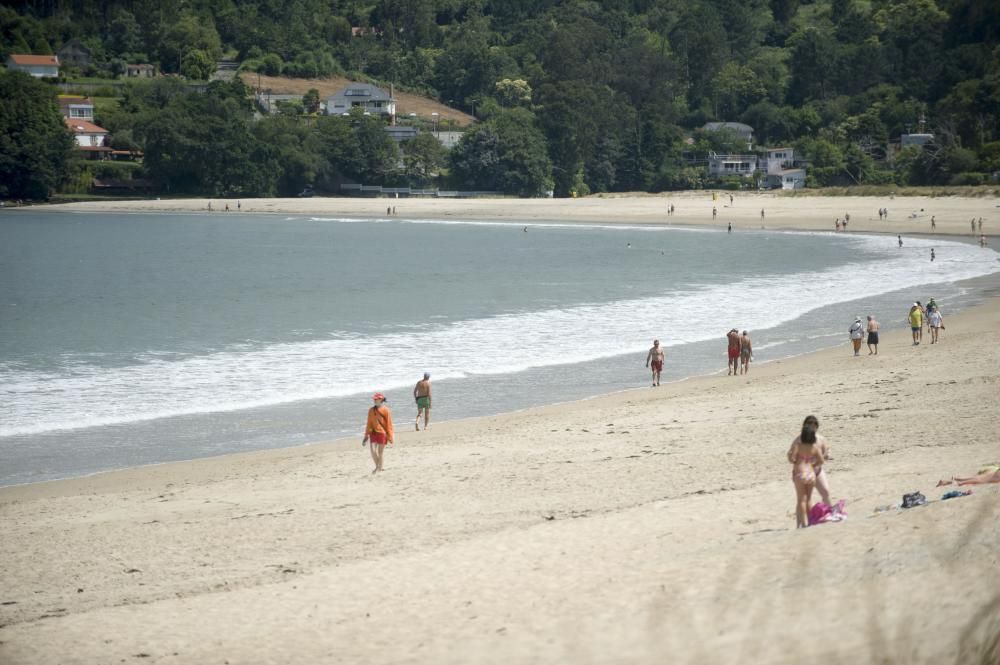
[(369, 97), (745, 132), (90, 138), (786, 179), (76, 108), (39, 66), (776, 160), (726, 165)]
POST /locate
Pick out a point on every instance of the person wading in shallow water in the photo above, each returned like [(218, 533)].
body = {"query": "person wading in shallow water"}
[(378, 430)]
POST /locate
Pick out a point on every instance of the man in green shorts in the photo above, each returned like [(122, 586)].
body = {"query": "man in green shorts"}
[(422, 394)]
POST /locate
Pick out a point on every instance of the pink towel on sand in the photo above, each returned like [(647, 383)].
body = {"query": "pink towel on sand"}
[(822, 513)]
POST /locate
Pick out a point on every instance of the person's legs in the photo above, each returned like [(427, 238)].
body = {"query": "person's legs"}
[(427, 416), (823, 487), (379, 456), (373, 449), (417, 422), (801, 508)]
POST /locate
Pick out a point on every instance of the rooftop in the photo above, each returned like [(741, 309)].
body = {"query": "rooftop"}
[(78, 126), (21, 59)]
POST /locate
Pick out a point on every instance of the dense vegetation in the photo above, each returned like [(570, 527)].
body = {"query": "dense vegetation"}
[(574, 95)]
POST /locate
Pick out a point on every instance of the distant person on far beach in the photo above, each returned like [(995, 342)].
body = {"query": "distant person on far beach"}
[(900, 239), (715, 212), (932, 255), (654, 359), (857, 333), (378, 430), (933, 223), (762, 214), (872, 335), (422, 395), (733, 351), (730, 227), (980, 224), (746, 352)]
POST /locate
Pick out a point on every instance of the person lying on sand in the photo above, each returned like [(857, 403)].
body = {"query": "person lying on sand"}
[(987, 478)]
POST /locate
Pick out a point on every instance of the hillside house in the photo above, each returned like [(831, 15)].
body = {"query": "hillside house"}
[(921, 140), (786, 179), (745, 132), (39, 66), (74, 54), (776, 160), (90, 138), (720, 166), (369, 97), (76, 108), (140, 71)]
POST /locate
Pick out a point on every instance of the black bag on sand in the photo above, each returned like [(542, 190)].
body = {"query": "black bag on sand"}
[(913, 500)]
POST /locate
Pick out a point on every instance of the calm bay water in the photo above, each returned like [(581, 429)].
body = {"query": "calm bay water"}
[(140, 338)]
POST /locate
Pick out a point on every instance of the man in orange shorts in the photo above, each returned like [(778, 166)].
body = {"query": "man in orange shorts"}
[(378, 430), (734, 351)]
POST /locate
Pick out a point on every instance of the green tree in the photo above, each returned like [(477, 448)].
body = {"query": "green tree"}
[(423, 157), (507, 153), (124, 35), (35, 146), (197, 65), (310, 101)]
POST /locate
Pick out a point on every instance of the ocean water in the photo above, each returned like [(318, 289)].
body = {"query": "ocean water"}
[(130, 339)]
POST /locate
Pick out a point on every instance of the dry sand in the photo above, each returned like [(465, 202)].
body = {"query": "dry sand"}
[(692, 208), (650, 526)]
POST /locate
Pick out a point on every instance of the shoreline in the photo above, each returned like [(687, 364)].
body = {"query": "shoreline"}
[(989, 286), (693, 209)]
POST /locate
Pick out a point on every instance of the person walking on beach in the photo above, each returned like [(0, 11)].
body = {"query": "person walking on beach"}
[(856, 332), (730, 227), (935, 321), (932, 255), (715, 212), (980, 224), (746, 352), (378, 430), (422, 395), (916, 318), (654, 359), (805, 456), (733, 338), (972, 223), (933, 223), (872, 336), (900, 239), (762, 214)]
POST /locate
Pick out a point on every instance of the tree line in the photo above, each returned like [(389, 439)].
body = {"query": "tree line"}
[(581, 96)]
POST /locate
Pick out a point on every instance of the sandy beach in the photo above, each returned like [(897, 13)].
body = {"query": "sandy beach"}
[(648, 526), (907, 215)]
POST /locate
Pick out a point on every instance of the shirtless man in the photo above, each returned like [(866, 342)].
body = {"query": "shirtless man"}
[(422, 395), (872, 336), (733, 337), (655, 359), (746, 352)]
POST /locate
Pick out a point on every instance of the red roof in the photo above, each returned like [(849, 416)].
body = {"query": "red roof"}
[(83, 127), (65, 100), (35, 60)]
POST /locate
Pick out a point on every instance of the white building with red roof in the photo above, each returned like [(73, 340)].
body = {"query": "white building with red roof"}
[(90, 138), (39, 66)]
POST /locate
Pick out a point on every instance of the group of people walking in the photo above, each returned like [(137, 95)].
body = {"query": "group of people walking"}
[(739, 351)]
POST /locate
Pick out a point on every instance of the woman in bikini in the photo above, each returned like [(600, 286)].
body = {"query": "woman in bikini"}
[(804, 455), (822, 482)]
